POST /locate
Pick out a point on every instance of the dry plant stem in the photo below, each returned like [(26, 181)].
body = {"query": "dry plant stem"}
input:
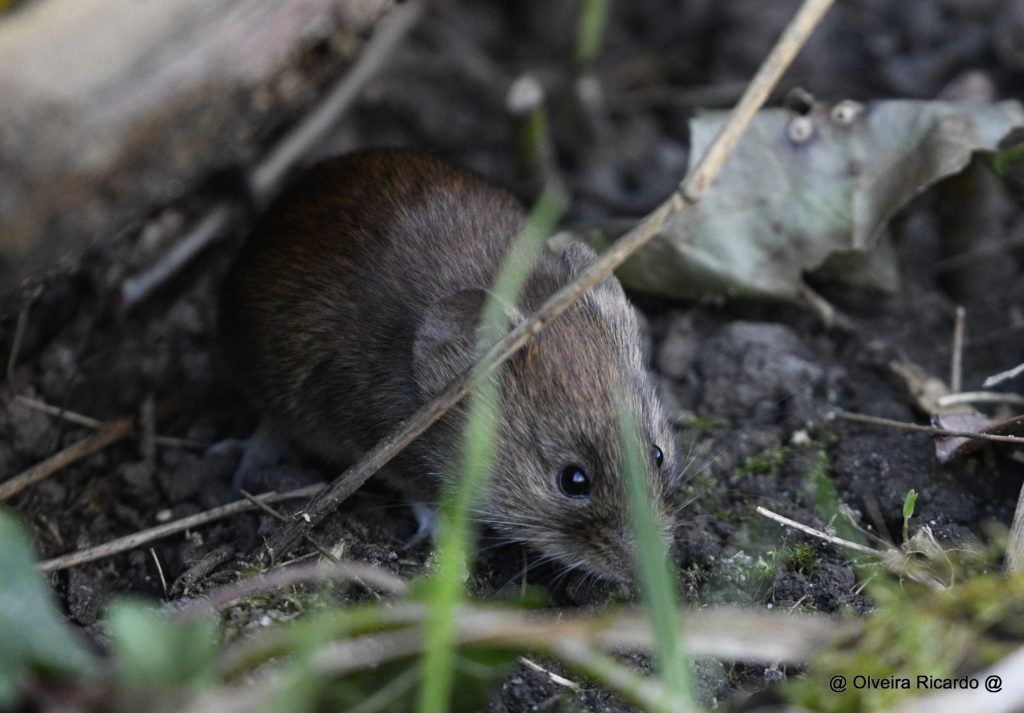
[(360, 572), (88, 421), (972, 257), (818, 304), (649, 692), (324, 552), (474, 628), (690, 191), (1010, 671), (239, 698), (19, 336), (110, 432), (64, 414), (728, 633), (723, 632), (956, 368), (201, 568), (214, 222), (147, 423), (159, 570), (879, 421), (817, 533), (1003, 376), (981, 397), (768, 74), (555, 678), (129, 542)]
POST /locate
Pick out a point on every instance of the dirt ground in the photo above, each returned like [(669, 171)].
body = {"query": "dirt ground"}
[(754, 387)]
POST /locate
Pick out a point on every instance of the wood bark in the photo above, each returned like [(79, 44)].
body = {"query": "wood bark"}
[(109, 109)]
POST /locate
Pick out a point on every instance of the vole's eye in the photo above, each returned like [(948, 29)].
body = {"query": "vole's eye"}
[(574, 481), (659, 456)]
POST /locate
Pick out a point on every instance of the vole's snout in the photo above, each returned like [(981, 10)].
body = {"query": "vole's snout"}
[(618, 559), (613, 553)]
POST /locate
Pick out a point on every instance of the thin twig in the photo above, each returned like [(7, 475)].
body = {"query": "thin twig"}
[(19, 336), (324, 552), (971, 257), (159, 570), (200, 568), (190, 444), (817, 533), (147, 428), (879, 421), (768, 74), (956, 368), (728, 633), (649, 692), (213, 223), (129, 542), (1003, 376), (555, 678), (980, 397), (69, 416), (95, 423), (690, 191), (368, 575), (111, 432)]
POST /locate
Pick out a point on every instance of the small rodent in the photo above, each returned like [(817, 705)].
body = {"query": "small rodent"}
[(356, 300)]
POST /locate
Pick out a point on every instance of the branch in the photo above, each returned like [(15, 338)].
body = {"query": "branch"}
[(129, 542), (935, 431), (817, 533)]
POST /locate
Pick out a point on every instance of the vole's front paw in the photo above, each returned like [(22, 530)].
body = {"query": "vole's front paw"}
[(264, 450), (426, 523)]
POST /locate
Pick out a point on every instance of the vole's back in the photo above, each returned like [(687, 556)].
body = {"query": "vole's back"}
[(318, 315)]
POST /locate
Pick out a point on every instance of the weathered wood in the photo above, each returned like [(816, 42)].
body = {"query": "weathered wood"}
[(109, 108)]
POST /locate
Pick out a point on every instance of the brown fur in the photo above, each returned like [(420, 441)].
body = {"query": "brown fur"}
[(356, 300)]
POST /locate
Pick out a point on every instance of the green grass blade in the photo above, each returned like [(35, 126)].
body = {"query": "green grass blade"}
[(657, 584), (454, 530), (590, 30)]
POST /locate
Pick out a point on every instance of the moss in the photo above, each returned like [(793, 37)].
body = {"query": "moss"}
[(916, 631), (802, 558), (768, 463), (695, 426)]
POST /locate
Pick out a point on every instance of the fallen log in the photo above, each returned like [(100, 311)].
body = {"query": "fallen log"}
[(109, 109)]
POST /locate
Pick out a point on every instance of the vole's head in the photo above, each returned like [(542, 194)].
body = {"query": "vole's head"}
[(558, 483)]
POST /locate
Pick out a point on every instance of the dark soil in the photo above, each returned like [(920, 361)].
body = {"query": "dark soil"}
[(754, 385)]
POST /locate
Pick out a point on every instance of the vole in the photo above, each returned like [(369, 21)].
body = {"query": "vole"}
[(357, 298)]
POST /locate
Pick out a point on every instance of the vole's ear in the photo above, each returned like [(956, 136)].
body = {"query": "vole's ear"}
[(578, 255), (446, 339), (607, 298)]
